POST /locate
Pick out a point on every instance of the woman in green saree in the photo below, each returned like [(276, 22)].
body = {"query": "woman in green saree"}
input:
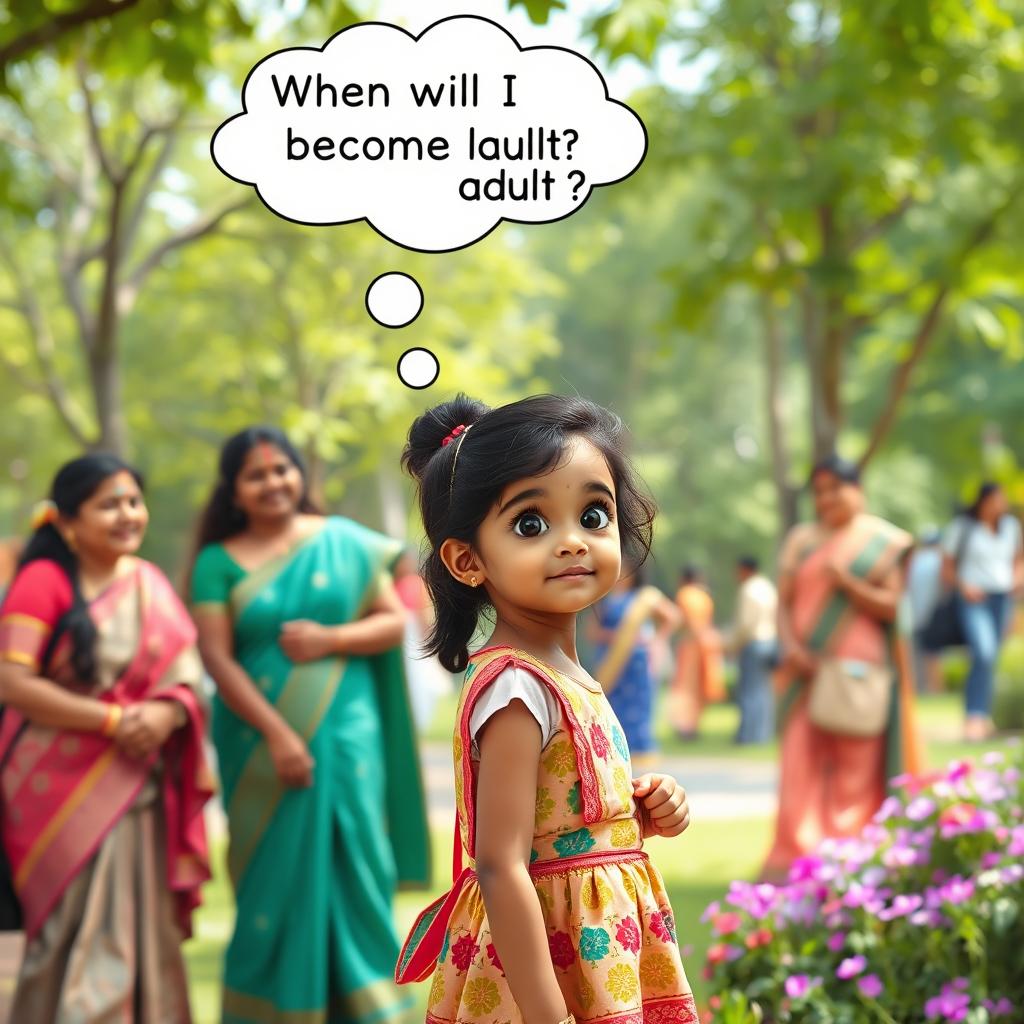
[(301, 630)]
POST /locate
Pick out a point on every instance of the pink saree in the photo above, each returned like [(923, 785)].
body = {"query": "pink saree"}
[(64, 792)]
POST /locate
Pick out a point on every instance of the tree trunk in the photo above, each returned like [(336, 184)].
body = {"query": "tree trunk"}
[(785, 493), (104, 364)]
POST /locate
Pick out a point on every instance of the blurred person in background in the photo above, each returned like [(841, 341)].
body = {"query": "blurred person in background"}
[(924, 589), (301, 629), (626, 627), (840, 585), (984, 559), (698, 678), (104, 779), (754, 641)]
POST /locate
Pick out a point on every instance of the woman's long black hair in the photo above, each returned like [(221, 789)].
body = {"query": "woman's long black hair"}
[(523, 439), (985, 491), (222, 518), (76, 481)]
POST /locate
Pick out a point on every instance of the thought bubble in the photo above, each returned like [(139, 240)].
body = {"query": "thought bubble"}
[(394, 300), (432, 139), (418, 368)]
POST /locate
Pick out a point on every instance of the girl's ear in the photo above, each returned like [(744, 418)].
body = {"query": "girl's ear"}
[(462, 562)]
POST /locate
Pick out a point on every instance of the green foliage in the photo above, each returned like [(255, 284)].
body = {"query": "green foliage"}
[(1008, 707), (538, 10)]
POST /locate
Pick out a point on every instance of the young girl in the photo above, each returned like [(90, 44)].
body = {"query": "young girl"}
[(528, 509)]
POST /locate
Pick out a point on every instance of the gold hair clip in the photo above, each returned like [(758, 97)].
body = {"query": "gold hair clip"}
[(46, 512)]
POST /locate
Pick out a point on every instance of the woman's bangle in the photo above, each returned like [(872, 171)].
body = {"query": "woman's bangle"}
[(110, 724), (568, 1020)]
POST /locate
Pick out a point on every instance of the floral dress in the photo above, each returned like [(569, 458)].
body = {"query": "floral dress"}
[(610, 927)]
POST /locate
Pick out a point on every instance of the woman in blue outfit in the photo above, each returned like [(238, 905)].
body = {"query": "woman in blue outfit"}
[(631, 621)]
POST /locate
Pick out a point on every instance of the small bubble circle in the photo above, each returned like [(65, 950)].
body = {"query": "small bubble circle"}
[(418, 368)]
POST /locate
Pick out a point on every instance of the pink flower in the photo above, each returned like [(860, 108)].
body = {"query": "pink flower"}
[(492, 954), (721, 953), (727, 923), (836, 942), (628, 934), (758, 938), (798, 985), (870, 985), (562, 952), (951, 1004), (464, 952), (659, 927), (599, 741), (851, 967), (920, 808)]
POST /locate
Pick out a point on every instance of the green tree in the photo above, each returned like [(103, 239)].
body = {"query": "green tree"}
[(866, 161)]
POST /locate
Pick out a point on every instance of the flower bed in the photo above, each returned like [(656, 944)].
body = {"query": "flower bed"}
[(919, 919)]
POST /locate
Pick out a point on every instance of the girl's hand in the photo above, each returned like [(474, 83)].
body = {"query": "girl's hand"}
[(291, 757), (145, 727), (303, 640), (973, 595), (664, 807)]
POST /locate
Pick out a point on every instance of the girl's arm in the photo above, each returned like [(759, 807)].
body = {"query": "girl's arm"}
[(506, 798)]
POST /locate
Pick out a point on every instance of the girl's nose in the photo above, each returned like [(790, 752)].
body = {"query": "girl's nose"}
[(573, 544)]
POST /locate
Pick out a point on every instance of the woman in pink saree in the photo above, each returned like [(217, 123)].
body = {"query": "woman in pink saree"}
[(840, 581), (103, 779)]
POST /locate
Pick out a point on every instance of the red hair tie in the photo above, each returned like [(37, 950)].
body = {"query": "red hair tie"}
[(453, 435)]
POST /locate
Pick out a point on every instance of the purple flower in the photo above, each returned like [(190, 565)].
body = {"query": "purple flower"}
[(891, 806), (920, 808), (951, 1004), (836, 942), (870, 985), (851, 967), (798, 985), (1003, 1008), (902, 906)]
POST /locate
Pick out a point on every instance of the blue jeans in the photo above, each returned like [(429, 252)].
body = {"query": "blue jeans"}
[(984, 625), (754, 692)]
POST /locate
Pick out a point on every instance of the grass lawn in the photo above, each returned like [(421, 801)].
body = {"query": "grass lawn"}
[(697, 868)]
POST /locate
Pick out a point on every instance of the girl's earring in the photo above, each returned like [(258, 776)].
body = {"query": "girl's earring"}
[(472, 581), (69, 538)]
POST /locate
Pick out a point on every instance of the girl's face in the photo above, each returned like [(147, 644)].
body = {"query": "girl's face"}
[(836, 502), (269, 485), (111, 522), (551, 543)]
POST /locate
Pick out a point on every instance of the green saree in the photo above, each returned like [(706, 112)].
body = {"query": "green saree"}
[(315, 870)]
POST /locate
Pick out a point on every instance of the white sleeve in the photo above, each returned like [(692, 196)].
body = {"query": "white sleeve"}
[(516, 684), (951, 537)]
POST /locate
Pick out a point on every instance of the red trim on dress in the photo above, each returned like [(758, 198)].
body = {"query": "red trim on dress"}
[(592, 807)]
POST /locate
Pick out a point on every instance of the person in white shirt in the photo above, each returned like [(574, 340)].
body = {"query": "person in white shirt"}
[(924, 589), (754, 640), (985, 558)]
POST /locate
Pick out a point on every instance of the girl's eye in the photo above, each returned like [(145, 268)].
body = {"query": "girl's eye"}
[(595, 518), (529, 524)]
